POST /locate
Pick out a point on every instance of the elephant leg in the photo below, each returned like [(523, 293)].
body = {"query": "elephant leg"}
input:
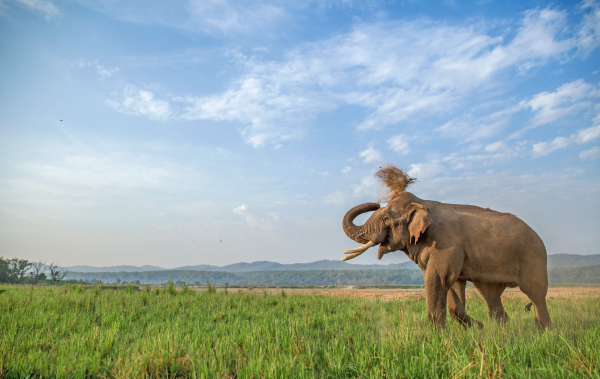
[(456, 305), (537, 295), (492, 293), (435, 294)]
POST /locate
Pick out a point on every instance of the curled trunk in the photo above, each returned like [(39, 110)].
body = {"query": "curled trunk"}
[(356, 232)]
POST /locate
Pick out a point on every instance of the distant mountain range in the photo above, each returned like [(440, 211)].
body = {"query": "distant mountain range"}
[(254, 266), (573, 260), (557, 260), (581, 275)]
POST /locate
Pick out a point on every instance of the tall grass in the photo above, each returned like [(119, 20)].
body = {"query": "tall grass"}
[(77, 332)]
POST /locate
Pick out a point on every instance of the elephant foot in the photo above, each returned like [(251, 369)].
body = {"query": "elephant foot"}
[(465, 320)]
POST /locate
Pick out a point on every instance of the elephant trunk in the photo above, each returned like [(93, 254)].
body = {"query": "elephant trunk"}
[(356, 232)]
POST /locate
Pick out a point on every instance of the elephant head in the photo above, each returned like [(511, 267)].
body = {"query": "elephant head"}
[(393, 227)]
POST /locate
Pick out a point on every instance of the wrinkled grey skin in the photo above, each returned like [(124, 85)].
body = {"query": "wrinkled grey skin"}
[(454, 244)]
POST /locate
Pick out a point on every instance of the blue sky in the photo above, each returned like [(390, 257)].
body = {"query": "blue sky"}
[(214, 132)]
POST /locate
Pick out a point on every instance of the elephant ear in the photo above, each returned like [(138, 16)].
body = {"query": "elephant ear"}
[(419, 220)]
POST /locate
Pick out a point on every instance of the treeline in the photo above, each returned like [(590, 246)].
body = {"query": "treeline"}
[(283, 278), (575, 275), (21, 271), (578, 275)]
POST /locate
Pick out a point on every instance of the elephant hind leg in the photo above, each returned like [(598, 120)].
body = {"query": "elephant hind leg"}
[(537, 295), (492, 293), (456, 305)]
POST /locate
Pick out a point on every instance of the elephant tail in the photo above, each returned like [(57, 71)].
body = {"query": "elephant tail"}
[(528, 307)]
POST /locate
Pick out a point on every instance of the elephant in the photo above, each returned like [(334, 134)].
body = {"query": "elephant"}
[(454, 244)]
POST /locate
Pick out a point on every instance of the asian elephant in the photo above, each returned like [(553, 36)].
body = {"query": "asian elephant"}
[(454, 244)]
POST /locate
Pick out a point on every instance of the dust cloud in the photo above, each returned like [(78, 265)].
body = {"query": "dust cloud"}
[(395, 179)]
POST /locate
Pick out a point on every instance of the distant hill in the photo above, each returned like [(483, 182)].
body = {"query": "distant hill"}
[(575, 275), (579, 275), (573, 260), (318, 265), (557, 260), (307, 277), (254, 266), (114, 268)]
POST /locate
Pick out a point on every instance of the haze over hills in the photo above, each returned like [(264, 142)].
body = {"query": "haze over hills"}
[(254, 266), (557, 260), (582, 275), (123, 268), (573, 260)]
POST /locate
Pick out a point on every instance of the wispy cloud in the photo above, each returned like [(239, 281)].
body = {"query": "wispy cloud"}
[(141, 103), (399, 144), (199, 16), (102, 71), (550, 106), (365, 189), (272, 110), (546, 107), (43, 6), (256, 219), (234, 16), (396, 70), (545, 148), (590, 154), (370, 155), (426, 170), (582, 136)]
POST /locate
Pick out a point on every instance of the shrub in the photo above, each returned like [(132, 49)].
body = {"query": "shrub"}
[(170, 288)]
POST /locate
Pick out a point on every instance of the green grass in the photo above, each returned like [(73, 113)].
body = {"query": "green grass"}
[(78, 332)]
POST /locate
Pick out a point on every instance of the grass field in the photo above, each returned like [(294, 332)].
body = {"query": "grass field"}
[(85, 332)]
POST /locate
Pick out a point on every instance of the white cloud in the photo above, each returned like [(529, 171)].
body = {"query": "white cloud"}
[(325, 174), (582, 136), (256, 219), (233, 16), (346, 169), (496, 147), (271, 112), (399, 144), (366, 186), (204, 16), (545, 148), (366, 190), (587, 135), (42, 6), (142, 103), (425, 170), (370, 155), (104, 72), (550, 106), (590, 29), (546, 106), (398, 71), (590, 154)]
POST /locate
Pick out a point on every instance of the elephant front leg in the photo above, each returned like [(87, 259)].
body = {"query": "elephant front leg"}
[(456, 305), (435, 294)]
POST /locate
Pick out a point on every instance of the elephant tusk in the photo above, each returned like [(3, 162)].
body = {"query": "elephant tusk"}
[(348, 257), (361, 249), (358, 251)]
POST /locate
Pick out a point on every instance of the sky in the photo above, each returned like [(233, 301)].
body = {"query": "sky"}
[(218, 131)]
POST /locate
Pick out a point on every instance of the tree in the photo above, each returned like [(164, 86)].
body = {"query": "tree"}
[(37, 271), (57, 273), (13, 270), (3, 270)]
